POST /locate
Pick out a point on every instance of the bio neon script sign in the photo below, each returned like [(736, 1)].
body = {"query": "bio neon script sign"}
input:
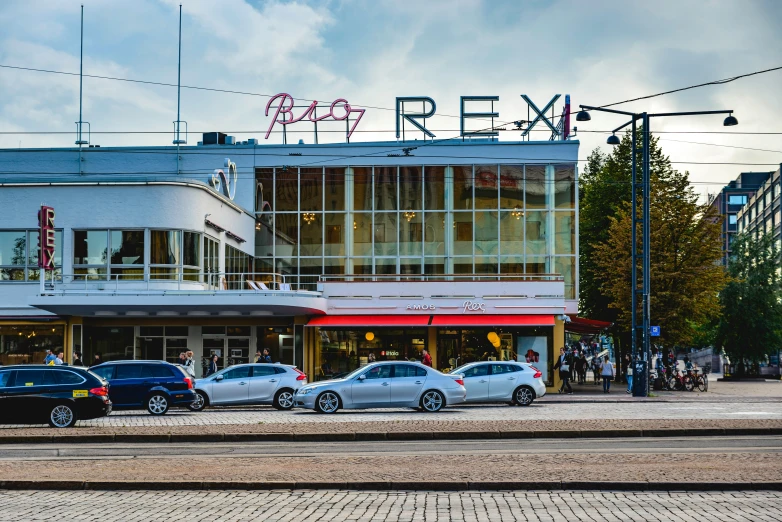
[(285, 108)]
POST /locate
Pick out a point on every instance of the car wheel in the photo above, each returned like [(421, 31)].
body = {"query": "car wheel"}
[(199, 403), (157, 404), (283, 400), (327, 402), (62, 416), (523, 396), (432, 401)]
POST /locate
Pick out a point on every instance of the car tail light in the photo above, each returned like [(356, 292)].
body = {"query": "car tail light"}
[(460, 382), (189, 382), (302, 376), (100, 392), (538, 373)]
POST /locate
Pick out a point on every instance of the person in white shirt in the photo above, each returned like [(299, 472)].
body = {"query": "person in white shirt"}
[(58, 360), (607, 373)]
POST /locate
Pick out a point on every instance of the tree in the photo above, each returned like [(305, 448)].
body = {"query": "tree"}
[(685, 248), (604, 190), (751, 323)]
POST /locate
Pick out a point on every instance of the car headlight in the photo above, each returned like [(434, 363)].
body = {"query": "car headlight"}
[(305, 391)]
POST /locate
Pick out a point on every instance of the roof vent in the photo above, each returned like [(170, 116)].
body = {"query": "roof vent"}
[(301, 142), (214, 138), (252, 141), (230, 140)]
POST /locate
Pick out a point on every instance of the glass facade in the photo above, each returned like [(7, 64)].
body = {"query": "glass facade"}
[(427, 219), (19, 255), (27, 344)]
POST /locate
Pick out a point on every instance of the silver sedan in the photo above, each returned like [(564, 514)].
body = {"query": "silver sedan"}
[(261, 383), (388, 384)]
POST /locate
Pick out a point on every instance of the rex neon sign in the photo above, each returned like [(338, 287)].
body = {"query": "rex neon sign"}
[(285, 108)]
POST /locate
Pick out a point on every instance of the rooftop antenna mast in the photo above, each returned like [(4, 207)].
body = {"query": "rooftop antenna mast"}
[(177, 137), (79, 124)]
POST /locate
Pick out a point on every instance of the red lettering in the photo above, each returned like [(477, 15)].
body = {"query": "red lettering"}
[(286, 105)]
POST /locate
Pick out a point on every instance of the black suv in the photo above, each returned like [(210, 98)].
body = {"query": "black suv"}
[(59, 395), (154, 385)]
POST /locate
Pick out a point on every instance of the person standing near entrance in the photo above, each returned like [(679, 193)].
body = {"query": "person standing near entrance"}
[(212, 368), (265, 358), (607, 372), (629, 373), (564, 364), (190, 364), (426, 359)]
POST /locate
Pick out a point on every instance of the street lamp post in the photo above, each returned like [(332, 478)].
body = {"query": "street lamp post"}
[(641, 386)]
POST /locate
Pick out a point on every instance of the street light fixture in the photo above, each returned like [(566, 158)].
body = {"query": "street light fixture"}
[(583, 116), (730, 121), (641, 386)]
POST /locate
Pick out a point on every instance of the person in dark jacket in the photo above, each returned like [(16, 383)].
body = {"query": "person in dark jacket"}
[(265, 358), (77, 359), (97, 360), (565, 365), (212, 368)]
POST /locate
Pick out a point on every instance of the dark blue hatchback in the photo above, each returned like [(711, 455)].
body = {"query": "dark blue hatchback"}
[(154, 385)]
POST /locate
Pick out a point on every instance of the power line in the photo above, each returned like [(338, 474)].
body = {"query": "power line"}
[(721, 145)]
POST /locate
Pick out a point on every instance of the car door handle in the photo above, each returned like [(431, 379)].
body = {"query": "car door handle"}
[(419, 382), (511, 378), (272, 380), (384, 384), (242, 383), (482, 381)]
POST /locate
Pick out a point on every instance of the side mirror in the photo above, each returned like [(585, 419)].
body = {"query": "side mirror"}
[(219, 378), (362, 377)]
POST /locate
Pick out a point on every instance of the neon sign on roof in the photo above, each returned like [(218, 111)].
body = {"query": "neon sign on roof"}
[(285, 108)]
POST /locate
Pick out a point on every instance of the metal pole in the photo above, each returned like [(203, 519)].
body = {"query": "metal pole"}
[(634, 255), (646, 247), (81, 80), (178, 88)]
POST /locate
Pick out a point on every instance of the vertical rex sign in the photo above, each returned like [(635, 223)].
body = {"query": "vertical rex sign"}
[(46, 238)]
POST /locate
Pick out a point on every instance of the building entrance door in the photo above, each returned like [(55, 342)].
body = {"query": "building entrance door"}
[(214, 346), (285, 354)]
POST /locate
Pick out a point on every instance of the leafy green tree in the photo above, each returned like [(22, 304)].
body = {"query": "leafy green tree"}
[(685, 248), (751, 323)]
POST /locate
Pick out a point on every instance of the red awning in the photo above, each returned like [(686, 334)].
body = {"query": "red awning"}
[(493, 320), (583, 325), (369, 320)]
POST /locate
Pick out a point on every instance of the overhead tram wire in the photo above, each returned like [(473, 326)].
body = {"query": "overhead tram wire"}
[(332, 131), (247, 93)]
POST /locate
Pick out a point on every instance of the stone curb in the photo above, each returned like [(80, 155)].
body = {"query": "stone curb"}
[(68, 439), (437, 485)]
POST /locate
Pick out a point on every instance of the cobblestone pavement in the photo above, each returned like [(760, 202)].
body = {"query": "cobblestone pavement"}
[(538, 411), (304, 505)]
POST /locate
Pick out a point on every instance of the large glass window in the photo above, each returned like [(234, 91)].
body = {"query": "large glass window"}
[(286, 189), (535, 187), (311, 189), (411, 233), (737, 200), (565, 186), (335, 189), (27, 344), (410, 186), (462, 187), (386, 188), (362, 188), (385, 233), (90, 247), (334, 235), (311, 234), (434, 188), (511, 232), (19, 255), (238, 265), (564, 233), (362, 234), (512, 186), (486, 186), (165, 254), (127, 253)]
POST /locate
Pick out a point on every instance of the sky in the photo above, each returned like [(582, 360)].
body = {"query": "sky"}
[(371, 51)]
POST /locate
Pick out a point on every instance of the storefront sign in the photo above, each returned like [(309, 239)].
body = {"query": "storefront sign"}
[(285, 108), (420, 307), (46, 238), (472, 306), (225, 183)]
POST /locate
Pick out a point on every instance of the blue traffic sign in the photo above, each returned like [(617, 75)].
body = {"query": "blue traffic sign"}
[(654, 331)]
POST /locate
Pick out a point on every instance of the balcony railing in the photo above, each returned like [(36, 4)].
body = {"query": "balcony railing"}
[(380, 278), (162, 282)]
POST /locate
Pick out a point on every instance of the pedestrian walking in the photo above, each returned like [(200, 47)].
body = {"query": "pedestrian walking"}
[(426, 359), (96, 360), (582, 368), (629, 373), (212, 368), (190, 364), (596, 370), (77, 359), (564, 364), (608, 373), (50, 357)]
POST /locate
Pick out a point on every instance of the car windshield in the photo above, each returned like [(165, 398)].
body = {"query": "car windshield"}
[(354, 373), (461, 368)]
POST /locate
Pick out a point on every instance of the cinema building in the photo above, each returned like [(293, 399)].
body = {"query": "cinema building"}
[(328, 255)]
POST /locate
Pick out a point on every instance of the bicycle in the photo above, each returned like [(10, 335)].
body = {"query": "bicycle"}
[(679, 381), (701, 381)]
